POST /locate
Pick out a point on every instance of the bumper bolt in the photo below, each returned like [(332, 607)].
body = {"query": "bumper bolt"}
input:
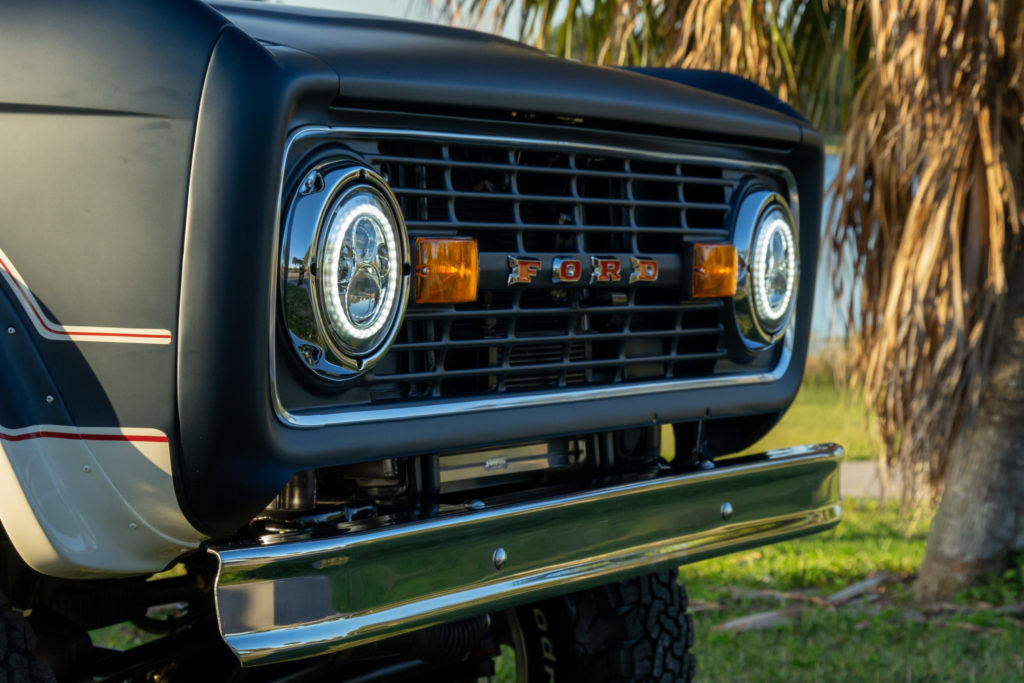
[(726, 510), (500, 557)]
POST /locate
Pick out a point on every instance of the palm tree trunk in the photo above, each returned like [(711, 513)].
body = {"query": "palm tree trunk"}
[(980, 519)]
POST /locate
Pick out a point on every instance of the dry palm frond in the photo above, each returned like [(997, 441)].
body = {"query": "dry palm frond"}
[(927, 199), (927, 203), (740, 37)]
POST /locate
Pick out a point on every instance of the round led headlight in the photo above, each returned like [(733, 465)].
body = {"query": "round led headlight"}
[(766, 243), (773, 270), (360, 270), (345, 269)]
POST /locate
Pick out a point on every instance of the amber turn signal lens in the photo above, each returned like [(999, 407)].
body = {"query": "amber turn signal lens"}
[(447, 270), (714, 270)]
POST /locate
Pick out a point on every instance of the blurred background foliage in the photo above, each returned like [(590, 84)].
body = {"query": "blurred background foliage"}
[(814, 55), (925, 100)]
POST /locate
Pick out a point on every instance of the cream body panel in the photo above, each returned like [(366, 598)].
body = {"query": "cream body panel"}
[(80, 503)]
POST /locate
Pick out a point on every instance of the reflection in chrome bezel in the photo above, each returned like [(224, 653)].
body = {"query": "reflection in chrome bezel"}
[(327, 188), (756, 206)]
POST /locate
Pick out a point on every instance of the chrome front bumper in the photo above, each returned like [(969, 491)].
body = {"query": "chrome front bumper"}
[(293, 600)]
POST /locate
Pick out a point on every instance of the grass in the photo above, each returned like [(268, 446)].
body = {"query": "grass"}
[(120, 637), (882, 636), (871, 537), (126, 635), (1007, 589), (839, 646), (886, 637), (822, 413)]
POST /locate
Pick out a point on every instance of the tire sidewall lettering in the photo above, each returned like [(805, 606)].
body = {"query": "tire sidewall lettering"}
[(547, 648)]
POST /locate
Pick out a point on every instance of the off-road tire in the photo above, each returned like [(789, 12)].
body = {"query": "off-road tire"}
[(635, 630), (17, 641)]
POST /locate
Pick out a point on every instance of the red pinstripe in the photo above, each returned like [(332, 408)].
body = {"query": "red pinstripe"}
[(75, 436), (43, 321)]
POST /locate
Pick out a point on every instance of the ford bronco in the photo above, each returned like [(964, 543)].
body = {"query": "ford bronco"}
[(344, 348)]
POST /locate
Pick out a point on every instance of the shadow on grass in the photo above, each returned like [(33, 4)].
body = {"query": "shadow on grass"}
[(882, 634)]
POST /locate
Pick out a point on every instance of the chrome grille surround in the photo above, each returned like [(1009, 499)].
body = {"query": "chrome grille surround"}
[(525, 365)]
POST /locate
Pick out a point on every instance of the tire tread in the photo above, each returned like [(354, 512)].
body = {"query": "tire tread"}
[(17, 664), (628, 631)]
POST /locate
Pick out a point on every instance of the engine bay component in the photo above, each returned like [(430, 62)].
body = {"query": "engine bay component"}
[(478, 469)]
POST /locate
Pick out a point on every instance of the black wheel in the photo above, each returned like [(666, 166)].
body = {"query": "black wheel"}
[(17, 642), (635, 630)]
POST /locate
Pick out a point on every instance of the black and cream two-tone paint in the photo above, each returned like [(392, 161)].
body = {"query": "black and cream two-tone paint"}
[(150, 385)]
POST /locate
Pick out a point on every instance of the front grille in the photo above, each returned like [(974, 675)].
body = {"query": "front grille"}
[(526, 201)]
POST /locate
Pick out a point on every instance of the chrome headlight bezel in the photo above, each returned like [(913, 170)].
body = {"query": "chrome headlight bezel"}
[(762, 215), (331, 201)]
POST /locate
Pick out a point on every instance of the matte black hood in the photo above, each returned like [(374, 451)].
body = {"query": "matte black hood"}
[(390, 60)]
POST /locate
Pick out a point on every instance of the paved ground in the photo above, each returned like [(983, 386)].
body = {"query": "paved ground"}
[(859, 479)]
